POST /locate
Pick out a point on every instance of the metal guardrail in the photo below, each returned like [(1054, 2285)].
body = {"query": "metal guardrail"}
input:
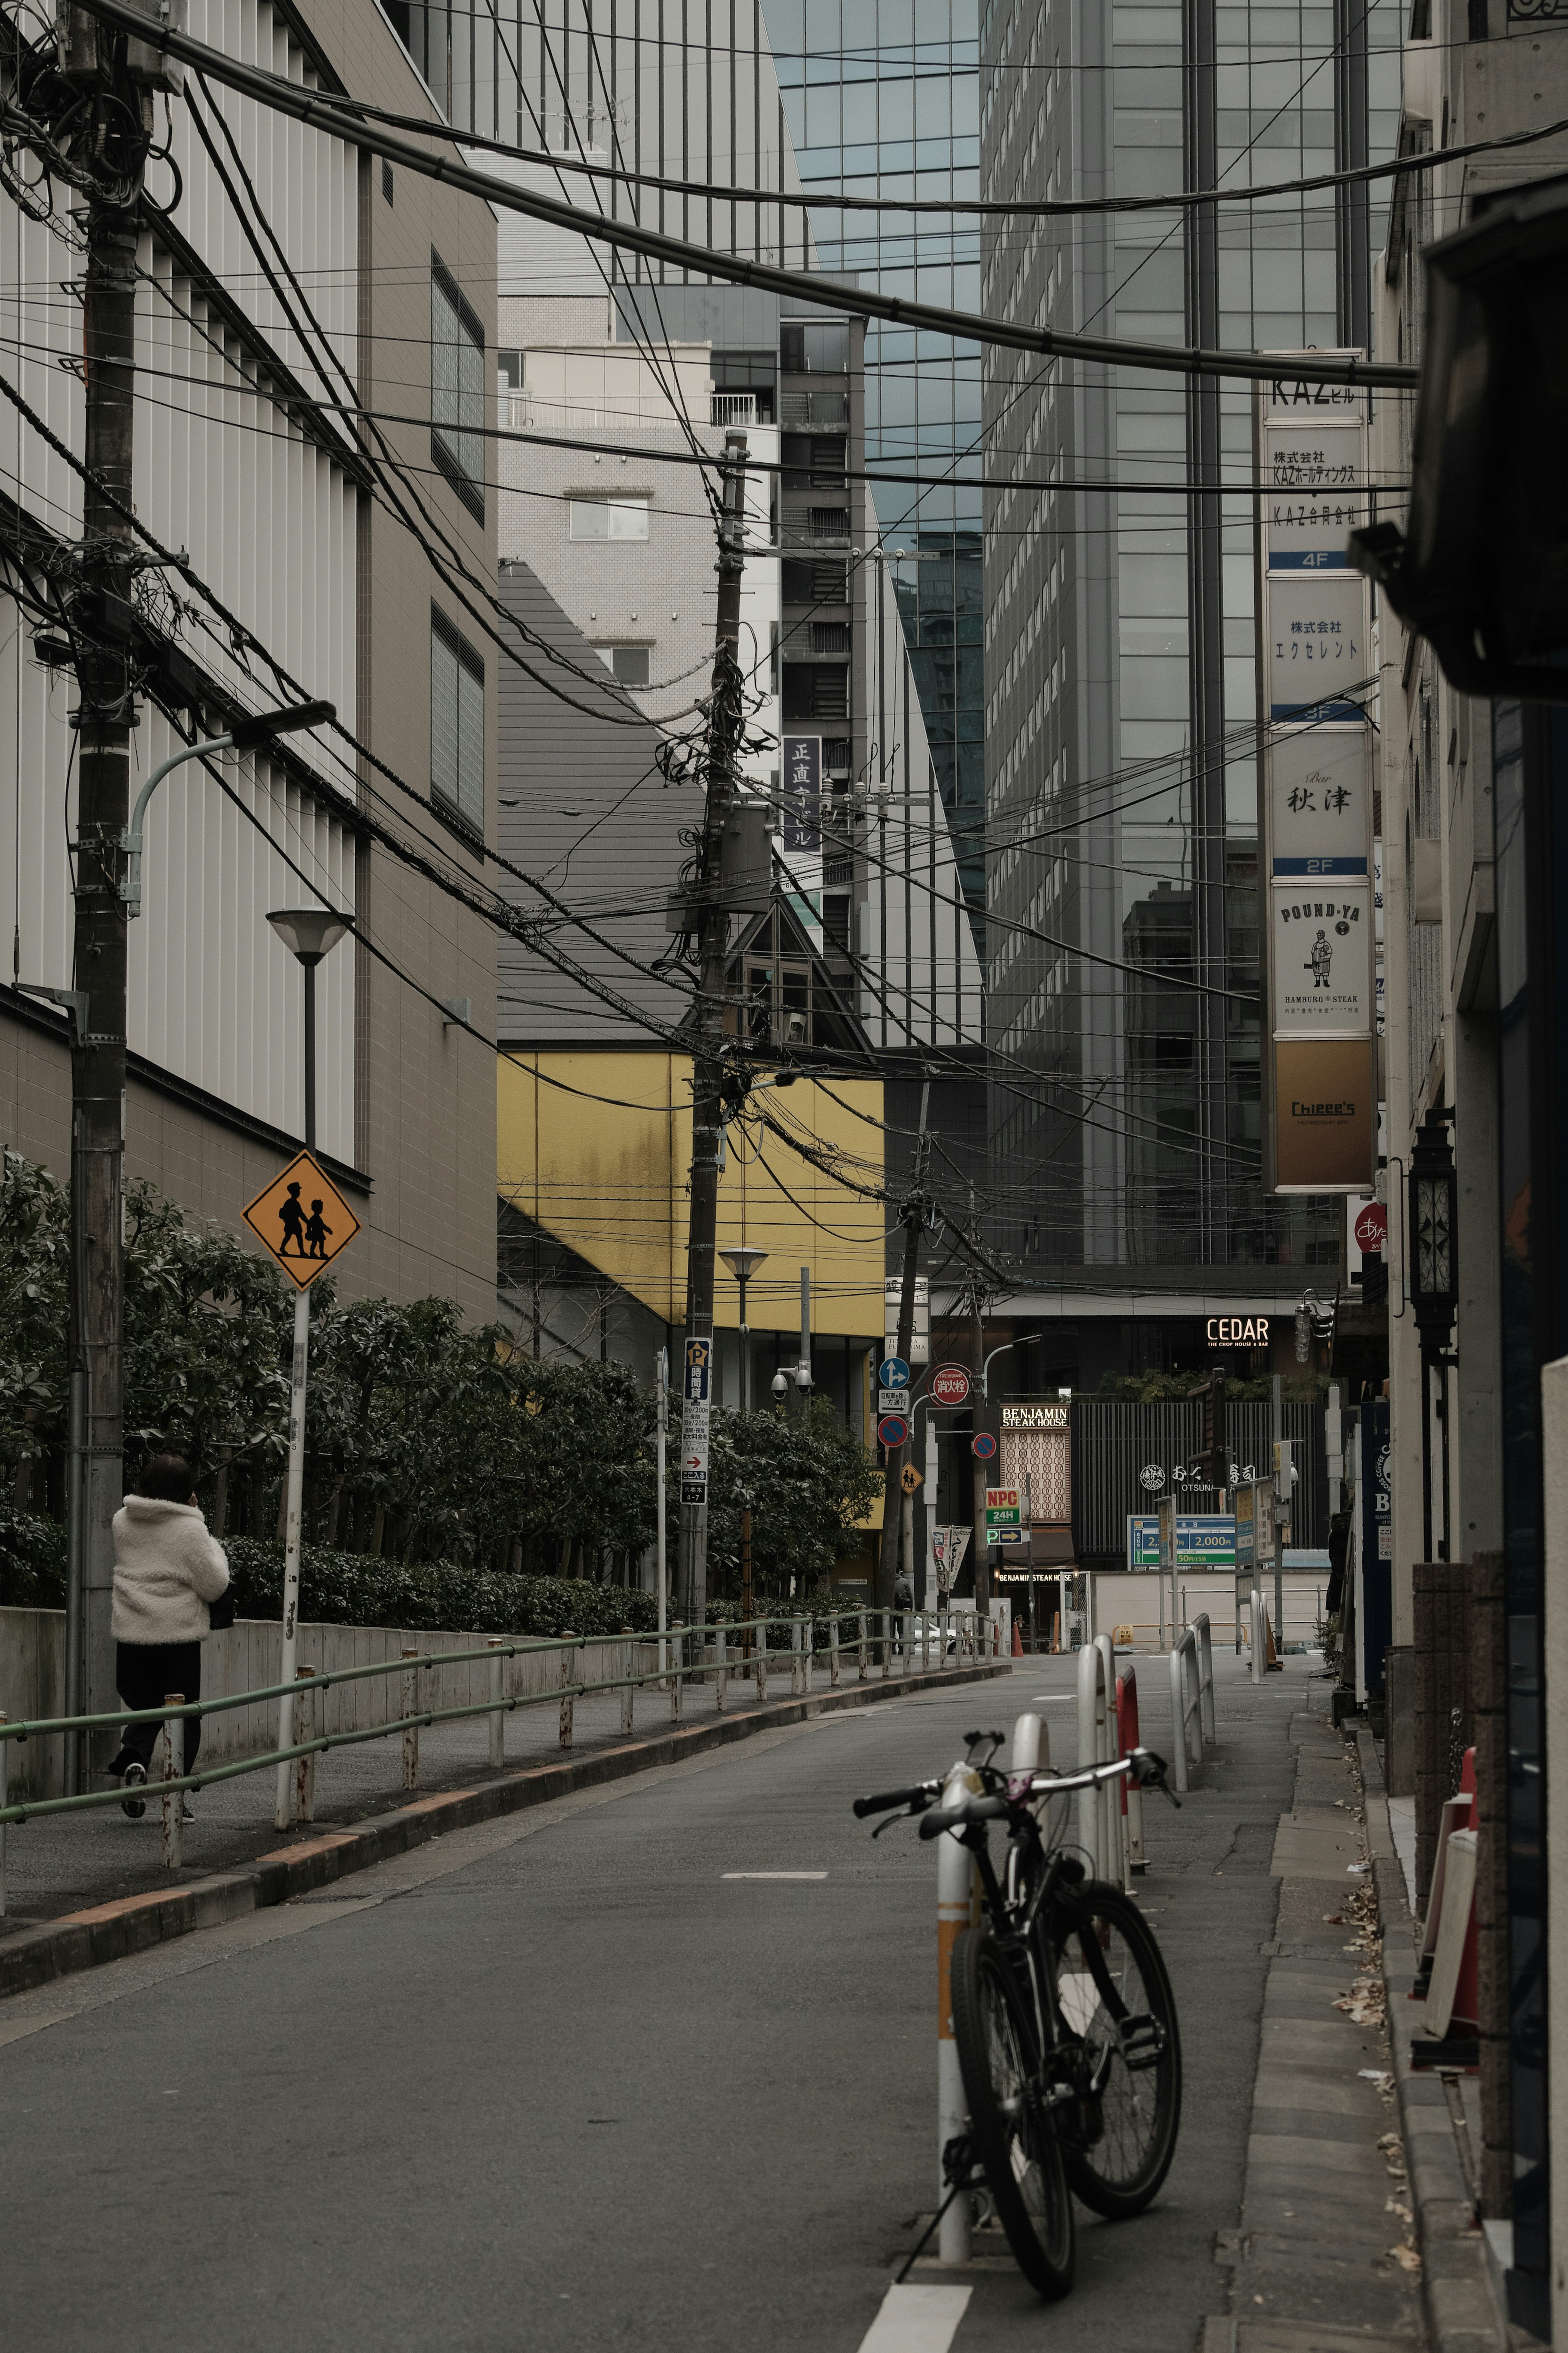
[(712, 1653), (1191, 1698)]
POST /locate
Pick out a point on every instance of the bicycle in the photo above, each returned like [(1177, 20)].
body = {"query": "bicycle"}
[(1062, 2012)]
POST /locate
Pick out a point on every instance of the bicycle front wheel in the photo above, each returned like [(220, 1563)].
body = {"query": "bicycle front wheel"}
[(1120, 2018), (1013, 2135)]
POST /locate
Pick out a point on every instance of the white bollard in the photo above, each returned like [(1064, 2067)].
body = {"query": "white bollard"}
[(1258, 1644), (173, 1743), (496, 1644), (1029, 1736), (954, 1911), (1114, 1856), (1090, 1750)]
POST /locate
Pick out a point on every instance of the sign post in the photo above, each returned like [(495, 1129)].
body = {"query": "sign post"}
[(301, 1207)]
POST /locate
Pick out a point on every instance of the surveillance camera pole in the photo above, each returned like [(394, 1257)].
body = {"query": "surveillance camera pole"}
[(724, 728)]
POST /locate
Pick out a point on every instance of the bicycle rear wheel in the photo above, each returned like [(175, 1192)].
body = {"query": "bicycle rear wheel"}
[(1118, 2008), (1012, 2137)]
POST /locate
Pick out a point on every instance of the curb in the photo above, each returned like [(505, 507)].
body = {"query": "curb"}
[(1458, 2301), (110, 1932)]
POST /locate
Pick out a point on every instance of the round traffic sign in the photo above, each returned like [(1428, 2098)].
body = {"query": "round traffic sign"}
[(984, 1445), (893, 1429), (949, 1385), (893, 1373), (1372, 1227)]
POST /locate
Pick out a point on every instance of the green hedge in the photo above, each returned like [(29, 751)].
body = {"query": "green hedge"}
[(352, 1588), (32, 1562)]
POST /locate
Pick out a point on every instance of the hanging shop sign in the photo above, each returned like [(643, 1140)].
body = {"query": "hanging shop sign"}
[(1315, 815)]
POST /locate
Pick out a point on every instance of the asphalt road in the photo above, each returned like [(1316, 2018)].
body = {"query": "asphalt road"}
[(558, 2081)]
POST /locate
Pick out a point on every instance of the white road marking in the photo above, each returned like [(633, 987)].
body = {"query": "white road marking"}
[(917, 2320), (1061, 1698), (772, 1874)]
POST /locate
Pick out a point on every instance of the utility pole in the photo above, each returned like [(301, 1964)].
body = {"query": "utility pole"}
[(724, 727), (984, 1418), (912, 1214), (96, 62)]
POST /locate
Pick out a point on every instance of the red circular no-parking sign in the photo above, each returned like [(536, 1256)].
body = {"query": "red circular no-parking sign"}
[(949, 1385), (1372, 1227)]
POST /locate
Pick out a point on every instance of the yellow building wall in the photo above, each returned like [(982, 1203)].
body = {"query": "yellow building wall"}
[(596, 1148)]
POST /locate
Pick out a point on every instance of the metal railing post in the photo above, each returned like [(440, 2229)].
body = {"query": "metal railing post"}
[(721, 1674), (629, 1690), (677, 1660), (4, 1801), (305, 1712), (861, 1676), (568, 1698), (1113, 1837), (410, 1731), (833, 1652), (887, 1644), (173, 1745), (807, 1643), (760, 1661), (1202, 1629), (497, 1695), (796, 1684)]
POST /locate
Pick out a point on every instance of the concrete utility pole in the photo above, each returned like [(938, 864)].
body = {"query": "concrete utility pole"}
[(912, 1213), (96, 62), (983, 1419), (724, 727)]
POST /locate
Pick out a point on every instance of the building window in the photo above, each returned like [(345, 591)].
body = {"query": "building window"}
[(830, 637), (830, 523), (457, 724), (628, 662), (608, 517), (457, 388), (811, 350)]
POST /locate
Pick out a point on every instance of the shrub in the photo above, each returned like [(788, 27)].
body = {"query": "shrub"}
[(32, 1562), (349, 1588)]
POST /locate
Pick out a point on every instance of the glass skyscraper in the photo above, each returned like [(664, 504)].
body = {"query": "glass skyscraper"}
[(1121, 662), (882, 98)]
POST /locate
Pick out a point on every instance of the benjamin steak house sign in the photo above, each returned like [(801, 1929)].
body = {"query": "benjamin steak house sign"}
[(1316, 677)]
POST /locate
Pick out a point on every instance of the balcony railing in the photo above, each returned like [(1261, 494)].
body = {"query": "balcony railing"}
[(814, 408), (733, 408)]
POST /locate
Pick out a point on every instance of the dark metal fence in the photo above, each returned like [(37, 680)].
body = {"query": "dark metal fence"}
[(1118, 1448)]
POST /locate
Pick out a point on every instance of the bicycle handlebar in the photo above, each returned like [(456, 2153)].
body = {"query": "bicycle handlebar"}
[(1142, 1766), (891, 1797), (973, 1810)]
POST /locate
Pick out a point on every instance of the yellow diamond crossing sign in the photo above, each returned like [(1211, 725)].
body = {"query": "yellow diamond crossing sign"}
[(912, 1478), (302, 1219)]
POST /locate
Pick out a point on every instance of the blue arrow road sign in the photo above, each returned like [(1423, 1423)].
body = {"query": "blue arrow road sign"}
[(893, 1373)]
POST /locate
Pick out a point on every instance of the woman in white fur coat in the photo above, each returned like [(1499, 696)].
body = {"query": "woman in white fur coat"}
[(167, 1569)]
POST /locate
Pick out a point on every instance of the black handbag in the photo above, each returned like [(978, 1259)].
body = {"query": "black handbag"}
[(220, 1614)]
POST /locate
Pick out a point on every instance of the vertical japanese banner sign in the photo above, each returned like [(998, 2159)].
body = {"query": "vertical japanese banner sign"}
[(800, 821), (695, 1406), (1319, 1060)]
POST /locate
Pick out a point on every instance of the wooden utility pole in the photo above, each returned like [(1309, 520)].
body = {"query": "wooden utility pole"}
[(725, 723), (912, 1213), (96, 62)]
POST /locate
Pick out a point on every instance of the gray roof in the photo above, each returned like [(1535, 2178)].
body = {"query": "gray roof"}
[(583, 807)]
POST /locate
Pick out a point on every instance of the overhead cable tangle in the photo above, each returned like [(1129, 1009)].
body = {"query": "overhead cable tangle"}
[(323, 112)]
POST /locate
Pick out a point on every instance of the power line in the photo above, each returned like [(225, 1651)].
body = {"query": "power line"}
[(321, 109)]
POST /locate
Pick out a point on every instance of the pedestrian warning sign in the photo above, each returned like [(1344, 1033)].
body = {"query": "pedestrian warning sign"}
[(302, 1219)]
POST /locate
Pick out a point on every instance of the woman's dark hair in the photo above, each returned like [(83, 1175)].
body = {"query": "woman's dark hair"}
[(167, 1478)]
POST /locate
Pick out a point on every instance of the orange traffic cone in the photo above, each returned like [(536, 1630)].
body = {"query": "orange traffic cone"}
[(1017, 1637)]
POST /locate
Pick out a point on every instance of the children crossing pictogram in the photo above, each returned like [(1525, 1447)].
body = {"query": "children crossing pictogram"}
[(303, 1220)]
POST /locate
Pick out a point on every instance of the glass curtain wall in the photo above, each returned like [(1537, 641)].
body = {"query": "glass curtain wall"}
[(1123, 658), (882, 100)]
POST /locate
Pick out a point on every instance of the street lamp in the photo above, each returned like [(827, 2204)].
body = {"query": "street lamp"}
[(261, 727), (743, 1263), (309, 934)]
